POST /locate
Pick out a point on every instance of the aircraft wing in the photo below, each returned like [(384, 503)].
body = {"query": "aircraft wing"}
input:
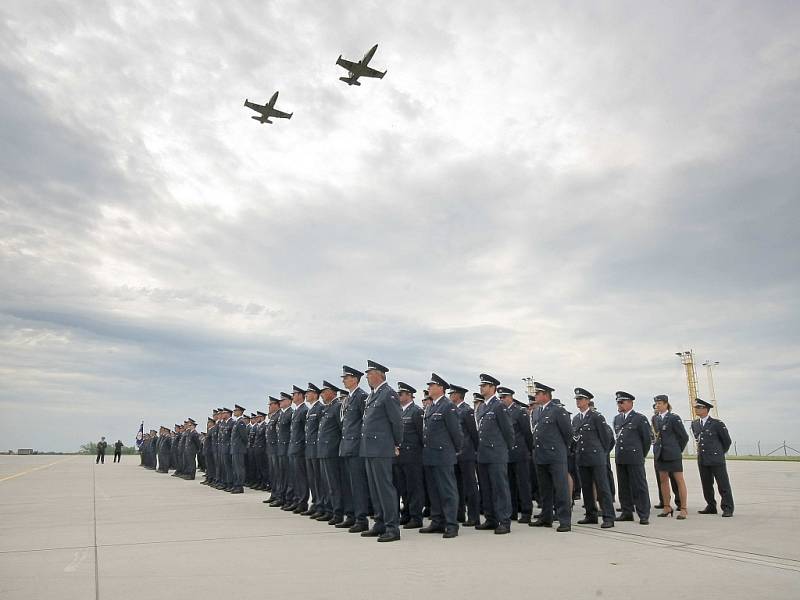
[(279, 113), (350, 66), (370, 72), (254, 106)]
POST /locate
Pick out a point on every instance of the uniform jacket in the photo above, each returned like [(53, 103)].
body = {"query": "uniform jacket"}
[(297, 439), (552, 435), (239, 435), (441, 434), (330, 430), (312, 428), (382, 424), (670, 437), (713, 441), (271, 433), (523, 438), (352, 415), (225, 430), (192, 443), (411, 448), (284, 431), (469, 433), (259, 440), (593, 439), (632, 438), (495, 432)]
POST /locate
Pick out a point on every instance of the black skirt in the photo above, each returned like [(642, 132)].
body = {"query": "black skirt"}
[(670, 466)]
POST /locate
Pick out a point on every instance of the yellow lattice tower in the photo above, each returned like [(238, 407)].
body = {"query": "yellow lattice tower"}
[(687, 359)]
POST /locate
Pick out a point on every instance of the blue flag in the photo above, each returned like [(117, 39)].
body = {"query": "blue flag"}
[(140, 435)]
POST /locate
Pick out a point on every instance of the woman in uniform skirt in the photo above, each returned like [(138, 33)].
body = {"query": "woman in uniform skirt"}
[(670, 440)]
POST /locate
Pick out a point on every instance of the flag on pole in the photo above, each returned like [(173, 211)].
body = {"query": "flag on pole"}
[(140, 435)]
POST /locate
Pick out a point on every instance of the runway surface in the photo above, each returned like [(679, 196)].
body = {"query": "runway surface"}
[(73, 529)]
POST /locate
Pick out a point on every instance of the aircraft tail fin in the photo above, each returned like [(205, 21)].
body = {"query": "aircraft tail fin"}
[(349, 81)]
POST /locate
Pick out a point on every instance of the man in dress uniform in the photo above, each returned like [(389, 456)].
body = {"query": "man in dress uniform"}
[(190, 449), (238, 449), (633, 439), (713, 441), (282, 487), (271, 441), (519, 457), (319, 504), (381, 436), (609, 471), (208, 454), (442, 440), (466, 475), (495, 440), (408, 471), (226, 428), (298, 503), (593, 441), (328, 442), (175, 450), (250, 471), (355, 484), (163, 447), (260, 452), (552, 436)]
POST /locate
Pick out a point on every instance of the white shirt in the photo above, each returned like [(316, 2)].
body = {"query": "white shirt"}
[(625, 414), (406, 405), (584, 413), (380, 385), (545, 404), (703, 421), (284, 409), (439, 398), (310, 406)]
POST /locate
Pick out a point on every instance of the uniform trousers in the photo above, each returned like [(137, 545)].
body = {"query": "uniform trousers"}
[(468, 495), (409, 481), (441, 480), (495, 493), (596, 476), (554, 492), (383, 494), (633, 491), (708, 474), (355, 489)]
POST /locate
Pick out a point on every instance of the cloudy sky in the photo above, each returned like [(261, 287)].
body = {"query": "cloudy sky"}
[(573, 191)]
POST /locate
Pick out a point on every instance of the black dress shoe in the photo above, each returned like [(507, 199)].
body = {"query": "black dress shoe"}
[(413, 524), (563, 528), (644, 521), (324, 517), (346, 524), (300, 509), (336, 520), (588, 521), (524, 519), (540, 523), (450, 533), (432, 529), (315, 514), (308, 512), (707, 511), (288, 507), (404, 519), (469, 523), (607, 524), (358, 528), (624, 517), (237, 490), (389, 537), (372, 533), (485, 526), (727, 513), (502, 529)]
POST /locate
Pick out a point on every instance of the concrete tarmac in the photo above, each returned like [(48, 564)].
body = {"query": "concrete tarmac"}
[(70, 529)]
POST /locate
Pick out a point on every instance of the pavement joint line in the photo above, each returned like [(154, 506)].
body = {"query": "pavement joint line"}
[(156, 542), (716, 552), (39, 468)]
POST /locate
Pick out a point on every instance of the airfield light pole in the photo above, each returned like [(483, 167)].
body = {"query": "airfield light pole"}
[(709, 365), (529, 384)]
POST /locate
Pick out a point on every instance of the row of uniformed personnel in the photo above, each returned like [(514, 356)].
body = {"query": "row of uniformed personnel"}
[(340, 455)]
